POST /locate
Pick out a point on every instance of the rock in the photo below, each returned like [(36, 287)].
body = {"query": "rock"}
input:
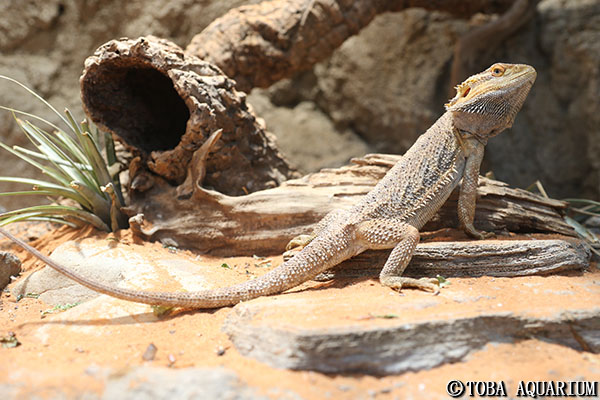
[(563, 43), (389, 91), (10, 265), (381, 333), (113, 264), (10, 390), (306, 135), (186, 383), (54, 288)]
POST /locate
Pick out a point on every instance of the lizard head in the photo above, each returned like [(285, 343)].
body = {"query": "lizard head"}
[(487, 103)]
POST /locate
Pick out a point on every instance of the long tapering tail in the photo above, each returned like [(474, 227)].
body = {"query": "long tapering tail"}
[(313, 259)]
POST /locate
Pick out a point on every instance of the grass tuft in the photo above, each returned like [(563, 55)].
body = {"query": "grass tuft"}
[(578, 210), (73, 167)]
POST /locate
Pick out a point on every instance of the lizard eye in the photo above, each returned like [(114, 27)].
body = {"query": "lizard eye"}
[(466, 92), (497, 70)]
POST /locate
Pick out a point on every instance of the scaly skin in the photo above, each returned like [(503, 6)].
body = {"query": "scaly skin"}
[(390, 216)]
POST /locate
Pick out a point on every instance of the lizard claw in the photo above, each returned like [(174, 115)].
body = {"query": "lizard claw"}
[(471, 231), (290, 253), (483, 235), (299, 241), (400, 282)]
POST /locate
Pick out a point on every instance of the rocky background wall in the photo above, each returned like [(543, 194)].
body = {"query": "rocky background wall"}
[(378, 92)]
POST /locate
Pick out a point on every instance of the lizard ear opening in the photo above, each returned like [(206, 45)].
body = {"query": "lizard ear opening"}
[(466, 92)]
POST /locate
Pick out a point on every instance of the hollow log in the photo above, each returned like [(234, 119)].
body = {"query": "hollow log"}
[(260, 44), (263, 222), (164, 104)]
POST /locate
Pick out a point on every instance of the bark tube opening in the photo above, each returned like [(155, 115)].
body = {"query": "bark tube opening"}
[(138, 102), (164, 104)]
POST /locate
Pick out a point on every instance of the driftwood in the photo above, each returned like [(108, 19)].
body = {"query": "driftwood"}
[(501, 258), (263, 222), (260, 44)]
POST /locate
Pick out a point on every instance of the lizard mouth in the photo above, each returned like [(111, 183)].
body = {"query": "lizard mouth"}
[(521, 71), (518, 76)]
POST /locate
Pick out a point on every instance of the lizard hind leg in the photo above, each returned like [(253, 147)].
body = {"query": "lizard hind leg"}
[(380, 234)]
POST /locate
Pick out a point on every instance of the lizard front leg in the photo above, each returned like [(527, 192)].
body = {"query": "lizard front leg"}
[(468, 191), (403, 238)]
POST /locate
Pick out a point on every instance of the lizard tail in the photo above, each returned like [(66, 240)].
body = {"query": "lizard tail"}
[(313, 259)]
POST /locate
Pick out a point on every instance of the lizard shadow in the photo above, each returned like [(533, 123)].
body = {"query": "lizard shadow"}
[(150, 317), (132, 319)]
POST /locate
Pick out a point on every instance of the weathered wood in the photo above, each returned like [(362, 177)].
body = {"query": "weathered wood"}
[(263, 222), (502, 258), (260, 44), (164, 104)]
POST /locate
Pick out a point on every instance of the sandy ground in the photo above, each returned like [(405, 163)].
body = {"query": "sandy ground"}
[(68, 361)]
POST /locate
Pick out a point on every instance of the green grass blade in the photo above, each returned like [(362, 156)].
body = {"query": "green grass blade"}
[(584, 201), (53, 209), (46, 146), (97, 162), (58, 161), (109, 145), (59, 143), (28, 193), (117, 219), (37, 96), (74, 125), (55, 190), (111, 158), (72, 224), (585, 212), (73, 146), (32, 182), (15, 111), (51, 172), (100, 205), (34, 217), (582, 231), (17, 218)]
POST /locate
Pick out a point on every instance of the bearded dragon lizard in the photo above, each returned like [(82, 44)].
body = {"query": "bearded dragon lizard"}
[(390, 215)]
